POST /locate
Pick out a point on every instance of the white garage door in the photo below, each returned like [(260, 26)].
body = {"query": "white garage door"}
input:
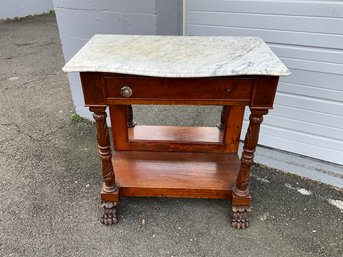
[(308, 37)]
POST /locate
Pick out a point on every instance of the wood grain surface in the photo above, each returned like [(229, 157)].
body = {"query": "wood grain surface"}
[(188, 175)]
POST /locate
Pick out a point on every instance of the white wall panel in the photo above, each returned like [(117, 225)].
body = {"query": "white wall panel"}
[(308, 37), (10, 9)]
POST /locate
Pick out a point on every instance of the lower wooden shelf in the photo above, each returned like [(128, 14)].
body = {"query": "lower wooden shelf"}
[(175, 174)]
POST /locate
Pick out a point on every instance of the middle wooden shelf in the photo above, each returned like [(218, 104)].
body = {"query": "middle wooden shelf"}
[(175, 134)]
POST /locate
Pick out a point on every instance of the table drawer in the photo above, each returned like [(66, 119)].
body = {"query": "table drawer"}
[(179, 89)]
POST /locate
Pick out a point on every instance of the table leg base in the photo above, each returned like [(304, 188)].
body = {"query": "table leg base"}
[(109, 215), (240, 216), (240, 210), (109, 205)]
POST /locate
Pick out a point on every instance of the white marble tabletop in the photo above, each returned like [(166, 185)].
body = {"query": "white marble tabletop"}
[(177, 56)]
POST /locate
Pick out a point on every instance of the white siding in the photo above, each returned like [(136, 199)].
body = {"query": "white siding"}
[(10, 9), (308, 37)]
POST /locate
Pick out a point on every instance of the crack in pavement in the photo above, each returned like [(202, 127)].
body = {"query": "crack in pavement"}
[(19, 55), (41, 139)]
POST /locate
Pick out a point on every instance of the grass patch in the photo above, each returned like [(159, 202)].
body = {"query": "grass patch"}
[(76, 118)]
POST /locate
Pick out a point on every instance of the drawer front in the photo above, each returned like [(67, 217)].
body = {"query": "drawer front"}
[(179, 89)]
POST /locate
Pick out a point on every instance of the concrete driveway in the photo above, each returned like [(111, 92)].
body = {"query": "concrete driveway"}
[(50, 181)]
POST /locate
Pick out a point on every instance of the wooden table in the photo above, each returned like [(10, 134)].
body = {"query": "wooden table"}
[(176, 161)]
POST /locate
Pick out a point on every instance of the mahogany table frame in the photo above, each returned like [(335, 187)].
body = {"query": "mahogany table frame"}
[(234, 93)]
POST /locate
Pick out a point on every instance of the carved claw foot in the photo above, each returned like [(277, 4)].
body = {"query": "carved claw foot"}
[(240, 217), (109, 216)]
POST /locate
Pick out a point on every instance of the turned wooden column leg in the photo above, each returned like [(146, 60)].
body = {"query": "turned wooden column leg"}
[(223, 117), (110, 190), (241, 198), (129, 112)]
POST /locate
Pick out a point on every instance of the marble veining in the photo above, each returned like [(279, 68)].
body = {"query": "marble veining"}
[(177, 56)]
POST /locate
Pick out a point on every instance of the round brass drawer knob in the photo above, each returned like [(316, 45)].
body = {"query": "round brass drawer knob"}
[(126, 91)]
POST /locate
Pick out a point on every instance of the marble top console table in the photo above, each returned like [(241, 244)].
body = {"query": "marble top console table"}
[(174, 161)]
